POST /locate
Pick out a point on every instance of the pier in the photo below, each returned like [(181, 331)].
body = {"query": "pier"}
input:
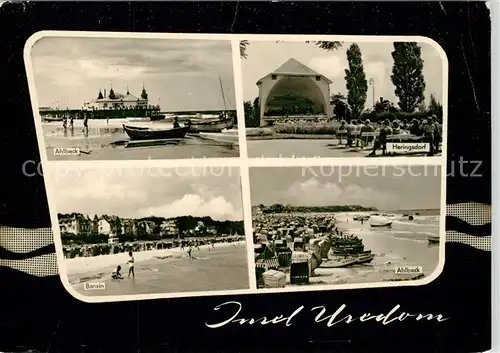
[(100, 113)]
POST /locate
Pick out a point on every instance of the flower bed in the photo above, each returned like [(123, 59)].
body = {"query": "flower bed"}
[(307, 128)]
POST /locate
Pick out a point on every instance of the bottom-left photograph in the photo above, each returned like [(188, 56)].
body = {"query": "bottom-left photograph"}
[(136, 231)]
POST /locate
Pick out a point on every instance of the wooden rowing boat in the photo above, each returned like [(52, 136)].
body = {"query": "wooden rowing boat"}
[(51, 119), (365, 258), (144, 133), (338, 262), (381, 225), (433, 239), (211, 125)]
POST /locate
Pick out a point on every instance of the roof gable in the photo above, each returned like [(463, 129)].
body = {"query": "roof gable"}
[(293, 66)]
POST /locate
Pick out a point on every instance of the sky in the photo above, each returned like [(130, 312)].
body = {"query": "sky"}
[(386, 188), (142, 192), (266, 56), (178, 74)]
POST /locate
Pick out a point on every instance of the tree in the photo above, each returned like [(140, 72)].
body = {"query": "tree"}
[(435, 108), (243, 48), (383, 105), (341, 108), (328, 46), (111, 94), (256, 110), (100, 96), (407, 75), (355, 79), (249, 114)]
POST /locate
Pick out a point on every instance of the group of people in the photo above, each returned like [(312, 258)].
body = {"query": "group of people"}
[(71, 123), (116, 274), (430, 129)]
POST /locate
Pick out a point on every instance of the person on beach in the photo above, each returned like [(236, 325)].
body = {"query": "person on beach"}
[(415, 128), (366, 128), (116, 273), (341, 131), (176, 123), (382, 139), (437, 133), (190, 250), (85, 124), (429, 131), (130, 263), (71, 122), (65, 123)]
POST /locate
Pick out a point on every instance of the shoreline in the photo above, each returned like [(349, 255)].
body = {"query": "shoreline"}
[(84, 265)]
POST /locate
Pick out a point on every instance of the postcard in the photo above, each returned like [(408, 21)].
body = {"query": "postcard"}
[(189, 179)]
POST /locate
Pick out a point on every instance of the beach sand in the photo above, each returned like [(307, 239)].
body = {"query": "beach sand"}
[(107, 142), (224, 267)]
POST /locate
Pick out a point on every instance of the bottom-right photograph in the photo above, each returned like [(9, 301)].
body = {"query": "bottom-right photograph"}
[(342, 225)]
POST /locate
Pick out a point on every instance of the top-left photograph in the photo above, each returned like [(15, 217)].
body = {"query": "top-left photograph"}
[(100, 97)]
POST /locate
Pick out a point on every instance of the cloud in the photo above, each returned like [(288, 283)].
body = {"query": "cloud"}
[(143, 192), (180, 74), (263, 57), (331, 67), (313, 192), (195, 205)]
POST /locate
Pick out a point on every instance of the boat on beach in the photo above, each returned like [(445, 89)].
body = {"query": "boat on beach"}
[(145, 133), (52, 118), (378, 225), (378, 222), (433, 239), (225, 121), (210, 125), (365, 258), (338, 262)]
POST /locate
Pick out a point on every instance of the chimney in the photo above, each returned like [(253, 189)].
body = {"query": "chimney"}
[(105, 96)]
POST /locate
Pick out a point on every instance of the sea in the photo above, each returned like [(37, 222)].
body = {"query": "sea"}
[(404, 244), (106, 140), (220, 268)]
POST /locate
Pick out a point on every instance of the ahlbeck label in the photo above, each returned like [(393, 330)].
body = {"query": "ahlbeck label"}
[(408, 270), (66, 151)]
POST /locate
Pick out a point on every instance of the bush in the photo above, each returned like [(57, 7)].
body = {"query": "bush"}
[(391, 116), (307, 128), (259, 132)]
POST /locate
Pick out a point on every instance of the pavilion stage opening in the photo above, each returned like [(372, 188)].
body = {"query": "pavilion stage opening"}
[(294, 91)]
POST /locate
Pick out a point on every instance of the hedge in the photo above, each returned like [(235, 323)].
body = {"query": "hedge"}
[(391, 116)]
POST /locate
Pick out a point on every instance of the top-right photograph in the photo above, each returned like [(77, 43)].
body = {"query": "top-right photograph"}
[(343, 99)]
